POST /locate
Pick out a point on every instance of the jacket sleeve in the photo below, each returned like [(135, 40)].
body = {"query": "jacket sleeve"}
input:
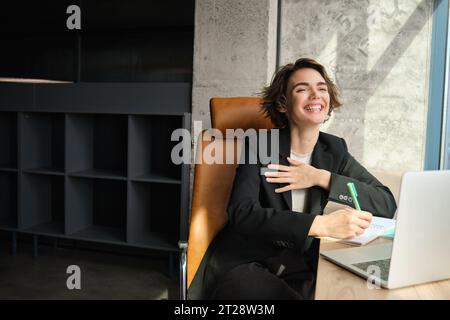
[(248, 217), (373, 196)]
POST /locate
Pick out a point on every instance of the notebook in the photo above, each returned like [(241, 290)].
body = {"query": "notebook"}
[(378, 227)]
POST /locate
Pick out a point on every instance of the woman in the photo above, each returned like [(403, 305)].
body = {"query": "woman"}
[(269, 248)]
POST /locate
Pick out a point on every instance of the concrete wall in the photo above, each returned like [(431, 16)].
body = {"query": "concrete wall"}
[(378, 52)]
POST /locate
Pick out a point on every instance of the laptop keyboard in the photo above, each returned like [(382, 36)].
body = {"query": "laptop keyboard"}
[(383, 265)]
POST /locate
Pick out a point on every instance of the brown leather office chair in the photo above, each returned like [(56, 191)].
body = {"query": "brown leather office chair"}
[(213, 182)]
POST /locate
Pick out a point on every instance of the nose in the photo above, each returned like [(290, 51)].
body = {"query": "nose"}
[(314, 93)]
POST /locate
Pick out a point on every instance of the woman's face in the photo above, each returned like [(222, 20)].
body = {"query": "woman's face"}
[(308, 99)]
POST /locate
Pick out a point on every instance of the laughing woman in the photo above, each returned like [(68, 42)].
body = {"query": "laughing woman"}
[(269, 248)]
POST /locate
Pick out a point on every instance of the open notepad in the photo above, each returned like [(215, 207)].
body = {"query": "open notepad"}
[(378, 227)]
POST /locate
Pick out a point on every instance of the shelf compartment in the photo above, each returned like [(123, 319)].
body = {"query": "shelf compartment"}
[(8, 141), (100, 234), (96, 209), (97, 145), (156, 178), (43, 204), (153, 215), (43, 142), (150, 148), (8, 200)]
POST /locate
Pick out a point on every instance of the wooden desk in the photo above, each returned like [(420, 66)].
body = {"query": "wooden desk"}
[(334, 282)]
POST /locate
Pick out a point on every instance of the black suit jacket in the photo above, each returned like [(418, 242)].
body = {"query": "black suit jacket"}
[(258, 217)]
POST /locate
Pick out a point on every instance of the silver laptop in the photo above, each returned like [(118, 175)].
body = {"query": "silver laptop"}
[(420, 251)]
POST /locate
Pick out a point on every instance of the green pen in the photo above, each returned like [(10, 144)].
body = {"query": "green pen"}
[(354, 194)]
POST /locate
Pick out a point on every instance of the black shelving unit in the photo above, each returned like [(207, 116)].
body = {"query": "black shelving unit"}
[(92, 161)]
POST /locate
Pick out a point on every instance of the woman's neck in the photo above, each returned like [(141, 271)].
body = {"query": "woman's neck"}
[(303, 140)]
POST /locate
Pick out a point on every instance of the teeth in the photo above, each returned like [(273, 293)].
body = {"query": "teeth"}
[(313, 108)]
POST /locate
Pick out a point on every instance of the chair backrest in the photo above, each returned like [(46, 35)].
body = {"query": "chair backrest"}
[(238, 112), (213, 181)]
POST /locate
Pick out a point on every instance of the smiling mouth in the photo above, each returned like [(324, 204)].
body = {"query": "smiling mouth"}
[(313, 108)]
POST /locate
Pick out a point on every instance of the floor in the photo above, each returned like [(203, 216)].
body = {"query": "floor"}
[(102, 275)]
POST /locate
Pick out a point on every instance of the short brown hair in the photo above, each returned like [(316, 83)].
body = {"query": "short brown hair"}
[(274, 96)]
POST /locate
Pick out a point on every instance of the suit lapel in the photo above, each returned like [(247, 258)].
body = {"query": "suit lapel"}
[(320, 159), (285, 152)]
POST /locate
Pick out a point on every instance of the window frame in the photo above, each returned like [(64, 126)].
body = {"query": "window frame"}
[(436, 122)]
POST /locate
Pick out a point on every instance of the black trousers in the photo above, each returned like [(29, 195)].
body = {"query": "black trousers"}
[(287, 276)]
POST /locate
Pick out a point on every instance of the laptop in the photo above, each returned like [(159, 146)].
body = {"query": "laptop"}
[(420, 251)]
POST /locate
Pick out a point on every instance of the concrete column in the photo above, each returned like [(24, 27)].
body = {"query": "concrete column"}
[(234, 50)]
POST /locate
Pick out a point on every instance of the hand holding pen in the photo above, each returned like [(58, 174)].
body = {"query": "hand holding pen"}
[(345, 223)]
